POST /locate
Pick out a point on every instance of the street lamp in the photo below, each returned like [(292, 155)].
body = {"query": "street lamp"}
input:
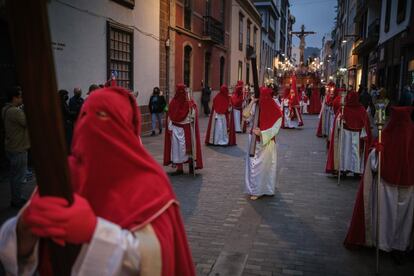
[(349, 35)]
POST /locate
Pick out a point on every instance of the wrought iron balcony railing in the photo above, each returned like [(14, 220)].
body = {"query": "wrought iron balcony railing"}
[(214, 29)]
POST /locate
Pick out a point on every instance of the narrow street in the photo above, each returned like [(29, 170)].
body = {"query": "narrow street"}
[(299, 231)]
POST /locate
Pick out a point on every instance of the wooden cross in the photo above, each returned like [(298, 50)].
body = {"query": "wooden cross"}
[(301, 35)]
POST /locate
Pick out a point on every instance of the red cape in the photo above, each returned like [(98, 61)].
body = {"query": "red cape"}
[(230, 127), (315, 102), (319, 129)]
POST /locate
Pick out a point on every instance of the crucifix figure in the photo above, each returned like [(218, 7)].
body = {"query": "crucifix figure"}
[(301, 35)]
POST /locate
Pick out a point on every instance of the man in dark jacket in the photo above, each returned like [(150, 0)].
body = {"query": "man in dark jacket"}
[(68, 117), (156, 106), (205, 99), (76, 102), (16, 143), (364, 97)]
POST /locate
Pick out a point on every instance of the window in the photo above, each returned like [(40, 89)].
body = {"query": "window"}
[(272, 22), (363, 26), (187, 65), (241, 32), (207, 59), (120, 54), (263, 15), (247, 73), (401, 10), (222, 63), (240, 71), (127, 3), (222, 10), (248, 33), (187, 14), (387, 16), (254, 37)]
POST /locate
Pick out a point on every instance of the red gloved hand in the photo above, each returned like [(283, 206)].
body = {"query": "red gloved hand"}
[(379, 147), (51, 217)]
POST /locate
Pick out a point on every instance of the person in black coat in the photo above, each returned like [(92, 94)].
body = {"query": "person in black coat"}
[(205, 99), (68, 117), (156, 106), (76, 102)]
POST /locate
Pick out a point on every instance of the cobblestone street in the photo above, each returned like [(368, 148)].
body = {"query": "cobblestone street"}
[(299, 231)]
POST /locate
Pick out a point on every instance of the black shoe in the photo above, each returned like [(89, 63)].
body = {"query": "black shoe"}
[(160, 131), (153, 133), (177, 172), (19, 204)]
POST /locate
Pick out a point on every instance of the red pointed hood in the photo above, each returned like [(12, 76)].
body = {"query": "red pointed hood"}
[(398, 139), (355, 115), (129, 178), (237, 97), (179, 106), (269, 111), (221, 101)]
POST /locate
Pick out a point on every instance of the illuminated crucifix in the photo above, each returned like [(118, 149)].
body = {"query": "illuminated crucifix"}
[(301, 35)]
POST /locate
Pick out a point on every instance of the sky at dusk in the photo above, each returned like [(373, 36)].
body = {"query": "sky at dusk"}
[(316, 15)]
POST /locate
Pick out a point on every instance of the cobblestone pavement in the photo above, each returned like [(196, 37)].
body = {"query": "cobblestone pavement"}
[(299, 231)]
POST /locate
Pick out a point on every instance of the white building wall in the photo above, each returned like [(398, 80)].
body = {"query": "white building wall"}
[(235, 54), (394, 27), (82, 27)]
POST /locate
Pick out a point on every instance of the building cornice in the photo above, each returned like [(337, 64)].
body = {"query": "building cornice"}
[(270, 4), (248, 7)]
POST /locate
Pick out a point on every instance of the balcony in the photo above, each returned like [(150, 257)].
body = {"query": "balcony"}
[(213, 30), (364, 45)]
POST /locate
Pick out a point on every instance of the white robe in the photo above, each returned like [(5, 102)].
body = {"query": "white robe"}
[(178, 146), (352, 155), (112, 251), (237, 122), (288, 123), (218, 132), (396, 211), (261, 170), (329, 118)]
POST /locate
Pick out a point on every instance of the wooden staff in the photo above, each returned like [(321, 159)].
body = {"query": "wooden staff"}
[(193, 133), (380, 119), (341, 135), (251, 54), (29, 28)]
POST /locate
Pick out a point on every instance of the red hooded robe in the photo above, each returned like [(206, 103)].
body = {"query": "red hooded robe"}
[(397, 168), (178, 110), (355, 119), (221, 105)]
